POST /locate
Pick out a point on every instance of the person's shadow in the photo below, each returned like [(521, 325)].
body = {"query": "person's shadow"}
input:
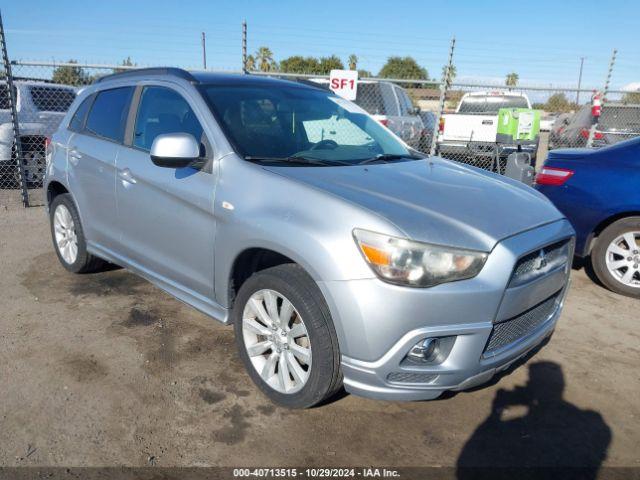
[(551, 433)]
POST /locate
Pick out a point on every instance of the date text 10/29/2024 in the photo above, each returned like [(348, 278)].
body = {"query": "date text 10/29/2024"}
[(315, 472)]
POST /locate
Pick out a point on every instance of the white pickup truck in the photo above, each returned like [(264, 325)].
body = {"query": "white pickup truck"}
[(471, 131)]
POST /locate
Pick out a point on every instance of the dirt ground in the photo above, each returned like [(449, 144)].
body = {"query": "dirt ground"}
[(105, 369)]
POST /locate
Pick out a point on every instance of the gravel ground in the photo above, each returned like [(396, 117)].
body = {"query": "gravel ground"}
[(105, 369)]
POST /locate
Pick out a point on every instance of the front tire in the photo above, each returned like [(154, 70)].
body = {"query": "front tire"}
[(68, 237), (616, 257), (286, 338)]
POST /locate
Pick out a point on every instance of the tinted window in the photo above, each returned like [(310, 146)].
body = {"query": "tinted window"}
[(5, 102), (109, 113), (77, 122), (161, 111), (52, 99), (370, 98), (490, 104)]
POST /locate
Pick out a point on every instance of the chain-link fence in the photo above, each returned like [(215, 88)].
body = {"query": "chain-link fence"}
[(471, 121)]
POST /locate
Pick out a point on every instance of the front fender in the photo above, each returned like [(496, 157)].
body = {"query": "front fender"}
[(269, 211)]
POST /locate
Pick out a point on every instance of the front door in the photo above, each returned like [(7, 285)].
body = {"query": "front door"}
[(166, 214)]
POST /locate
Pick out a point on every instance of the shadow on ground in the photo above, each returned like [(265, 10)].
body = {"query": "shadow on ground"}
[(534, 426)]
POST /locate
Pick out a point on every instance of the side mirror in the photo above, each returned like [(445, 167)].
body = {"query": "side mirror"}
[(174, 150)]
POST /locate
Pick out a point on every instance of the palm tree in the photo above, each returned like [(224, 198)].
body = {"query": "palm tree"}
[(250, 65), (264, 59), (512, 79), (353, 62)]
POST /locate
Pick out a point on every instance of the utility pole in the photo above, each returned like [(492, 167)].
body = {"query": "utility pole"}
[(204, 51), (579, 81), (244, 46)]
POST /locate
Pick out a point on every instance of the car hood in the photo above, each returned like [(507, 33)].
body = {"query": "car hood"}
[(435, 200)]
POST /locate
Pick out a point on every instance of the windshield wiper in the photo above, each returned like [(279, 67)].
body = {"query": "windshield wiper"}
[(387, 157), (297, 160)]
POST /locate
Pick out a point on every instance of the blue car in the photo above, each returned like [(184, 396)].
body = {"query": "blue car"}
[(599, 192)]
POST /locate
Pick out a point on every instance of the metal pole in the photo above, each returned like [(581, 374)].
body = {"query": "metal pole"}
[(444, 86), (244, 46), (14, 116), (607, 82), (579, 81), (204, 51)]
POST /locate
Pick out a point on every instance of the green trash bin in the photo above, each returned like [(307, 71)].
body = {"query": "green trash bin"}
[(518, 126)]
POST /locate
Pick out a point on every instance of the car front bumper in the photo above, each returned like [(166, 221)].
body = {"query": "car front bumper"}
[(378, 323)]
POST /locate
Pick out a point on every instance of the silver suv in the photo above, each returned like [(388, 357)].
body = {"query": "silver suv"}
[(344, 260)]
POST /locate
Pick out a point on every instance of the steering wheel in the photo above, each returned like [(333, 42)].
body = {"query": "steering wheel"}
[(325, 145)]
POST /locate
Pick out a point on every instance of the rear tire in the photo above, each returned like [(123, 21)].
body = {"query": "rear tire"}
[(295, 370), (616, 260), (68, 237)]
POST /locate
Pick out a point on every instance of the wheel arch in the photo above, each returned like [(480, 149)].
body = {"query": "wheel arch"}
[(610, 220), (55, 188)]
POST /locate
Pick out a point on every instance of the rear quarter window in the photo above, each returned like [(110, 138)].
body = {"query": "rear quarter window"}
[(109, 112), (77, 121)]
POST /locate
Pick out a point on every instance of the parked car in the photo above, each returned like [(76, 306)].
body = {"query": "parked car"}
[(337, 261), (617, 122), (597, 189), (41, 107), (429, 122), (391, 106), (471, 132)]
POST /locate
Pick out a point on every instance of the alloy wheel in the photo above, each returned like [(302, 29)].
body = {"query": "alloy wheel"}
[(623, 259), (276, 341), (65, 234)]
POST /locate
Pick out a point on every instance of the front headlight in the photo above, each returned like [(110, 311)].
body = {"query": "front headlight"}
[(405, 262)]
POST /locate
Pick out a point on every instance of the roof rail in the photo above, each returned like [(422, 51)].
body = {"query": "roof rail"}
[(176, 72)]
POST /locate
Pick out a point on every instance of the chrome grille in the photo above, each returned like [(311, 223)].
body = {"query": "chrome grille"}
[(409, 377), (540, 262), (509, 331)]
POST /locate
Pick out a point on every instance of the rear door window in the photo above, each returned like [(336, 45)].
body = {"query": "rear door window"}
[(108, 113), (52, 99)]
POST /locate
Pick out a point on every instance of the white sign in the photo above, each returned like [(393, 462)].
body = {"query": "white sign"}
[(344, 83)]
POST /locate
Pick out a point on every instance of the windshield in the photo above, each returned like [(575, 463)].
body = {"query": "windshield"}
[(490, 104), (291, 122)]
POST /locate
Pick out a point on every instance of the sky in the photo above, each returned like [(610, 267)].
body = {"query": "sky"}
[(542, 41)]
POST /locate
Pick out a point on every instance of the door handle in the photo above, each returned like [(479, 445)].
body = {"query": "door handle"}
[(126, 175)]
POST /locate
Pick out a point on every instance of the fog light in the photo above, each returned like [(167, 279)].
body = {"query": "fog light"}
[(425, 350)]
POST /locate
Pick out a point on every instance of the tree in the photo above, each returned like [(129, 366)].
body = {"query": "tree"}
[(70, 75), (353, 62), (403, 67), (364, 73), (558, 102), (631, 98), (264, 59), (127, 62), (250, 65), (299, 64), (512, 79), (326, 64)]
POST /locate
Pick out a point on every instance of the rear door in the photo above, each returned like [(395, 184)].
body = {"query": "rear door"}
[(92, 151), (166, 214)]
